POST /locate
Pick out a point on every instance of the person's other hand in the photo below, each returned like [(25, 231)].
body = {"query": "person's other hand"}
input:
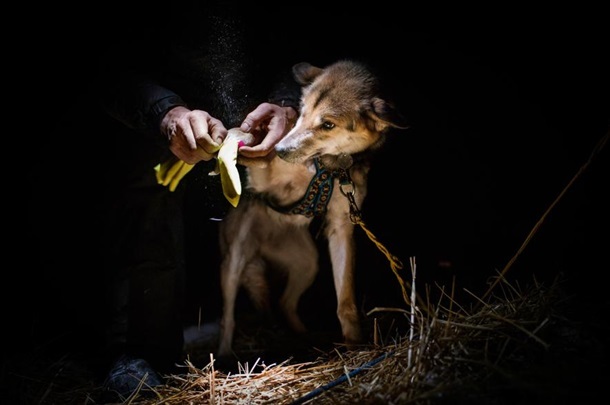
[(269, 123), (194, 135)]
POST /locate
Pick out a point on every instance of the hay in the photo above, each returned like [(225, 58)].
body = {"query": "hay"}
[(446, 348)]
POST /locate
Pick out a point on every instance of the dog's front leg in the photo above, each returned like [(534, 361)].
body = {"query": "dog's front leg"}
[(342, 255), (238, 250), (230, 282)]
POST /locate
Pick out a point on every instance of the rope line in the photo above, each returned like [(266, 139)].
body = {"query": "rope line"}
[(342, 379), (395, 263)]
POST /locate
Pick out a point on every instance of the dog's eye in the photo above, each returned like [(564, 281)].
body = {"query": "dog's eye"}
[(327, 125)]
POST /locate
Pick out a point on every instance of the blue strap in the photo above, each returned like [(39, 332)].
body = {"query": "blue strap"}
[(318, 194)]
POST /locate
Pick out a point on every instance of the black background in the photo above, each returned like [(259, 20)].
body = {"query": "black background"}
[(501, 120)]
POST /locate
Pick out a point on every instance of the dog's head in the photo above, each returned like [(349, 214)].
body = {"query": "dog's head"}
[(341, 113)]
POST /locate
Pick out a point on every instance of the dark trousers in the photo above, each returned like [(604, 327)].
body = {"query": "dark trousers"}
[(146, 272)]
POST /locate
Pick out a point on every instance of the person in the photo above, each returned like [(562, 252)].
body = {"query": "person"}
[(173, 97)]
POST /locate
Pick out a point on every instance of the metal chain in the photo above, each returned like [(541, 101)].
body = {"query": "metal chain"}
[(346, 185)]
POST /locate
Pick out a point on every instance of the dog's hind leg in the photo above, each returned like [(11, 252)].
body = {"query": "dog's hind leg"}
[(297, 256), (230, 282), (254, 281)]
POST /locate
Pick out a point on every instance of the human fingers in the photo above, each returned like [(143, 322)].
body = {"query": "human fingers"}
[(187, 132), (272, 123), (188, 155), (204, 128), (183, 145), (276, 129), (258, 116), (176, 125), (217, 130)]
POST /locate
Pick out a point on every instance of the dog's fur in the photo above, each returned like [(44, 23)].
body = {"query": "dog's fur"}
[(342, 118)]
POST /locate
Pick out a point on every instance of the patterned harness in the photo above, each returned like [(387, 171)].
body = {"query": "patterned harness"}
[(315, 200)]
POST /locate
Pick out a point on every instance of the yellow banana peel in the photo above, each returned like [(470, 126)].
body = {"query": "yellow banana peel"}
[(227, 164), (227, 167), (170, 172), (184, 169), (161, 170)]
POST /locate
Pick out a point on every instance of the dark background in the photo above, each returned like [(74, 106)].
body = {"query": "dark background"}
[(501, 120)]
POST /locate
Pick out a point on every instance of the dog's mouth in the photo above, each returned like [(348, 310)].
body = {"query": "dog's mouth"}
[(333, 162), (301, 147), (339, 161), (294, 155), (297, 150)]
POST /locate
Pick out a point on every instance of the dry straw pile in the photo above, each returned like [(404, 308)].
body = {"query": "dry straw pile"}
[(447, 348), (450, 352)]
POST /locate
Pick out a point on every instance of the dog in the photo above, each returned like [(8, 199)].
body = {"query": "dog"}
[(320, 169)]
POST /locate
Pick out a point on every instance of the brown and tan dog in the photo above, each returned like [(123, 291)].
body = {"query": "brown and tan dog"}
[(318, 164)]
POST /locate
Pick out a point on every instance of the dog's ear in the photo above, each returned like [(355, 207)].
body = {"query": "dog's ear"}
[(385, 115), (304, 72)]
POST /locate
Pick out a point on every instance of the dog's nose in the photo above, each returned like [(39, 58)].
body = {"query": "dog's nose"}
[(281, 152), (291, 155)]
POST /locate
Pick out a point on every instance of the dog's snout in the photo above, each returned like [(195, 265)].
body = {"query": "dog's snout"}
[(294, 146), (288, 154)]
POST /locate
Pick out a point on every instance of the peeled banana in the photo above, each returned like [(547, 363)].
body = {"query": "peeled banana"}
[(170, 172), (227, 164)]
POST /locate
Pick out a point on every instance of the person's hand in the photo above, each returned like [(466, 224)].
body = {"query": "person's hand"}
[(268, 123), (194, 135)]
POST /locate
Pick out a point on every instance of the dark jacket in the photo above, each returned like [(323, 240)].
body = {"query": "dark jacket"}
[(217, 63), (213, 63)]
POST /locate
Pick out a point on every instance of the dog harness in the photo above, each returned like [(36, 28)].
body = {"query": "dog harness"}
[(318, 194)]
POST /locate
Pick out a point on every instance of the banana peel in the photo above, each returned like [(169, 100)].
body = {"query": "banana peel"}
[(227, 167), (170, 172), (227, 164)]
